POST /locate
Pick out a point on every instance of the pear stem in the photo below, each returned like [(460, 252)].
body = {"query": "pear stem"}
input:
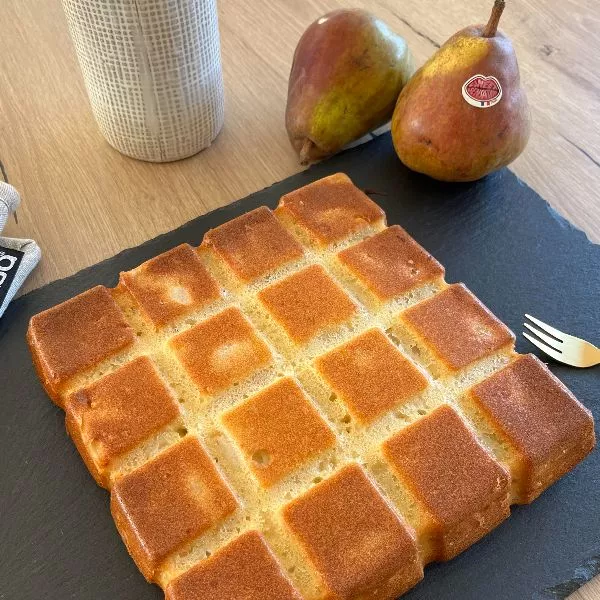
[(492, 24), (305, 151)]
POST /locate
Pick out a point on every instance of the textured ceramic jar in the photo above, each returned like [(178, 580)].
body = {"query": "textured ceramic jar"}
[(152, 69)]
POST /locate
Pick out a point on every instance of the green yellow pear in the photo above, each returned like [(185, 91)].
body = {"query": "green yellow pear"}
[(348, 70)]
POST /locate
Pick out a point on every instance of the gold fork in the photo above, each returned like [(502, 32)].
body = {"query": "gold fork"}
[(562, 346)]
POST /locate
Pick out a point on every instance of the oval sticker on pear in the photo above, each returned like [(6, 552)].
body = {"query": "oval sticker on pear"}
[(482, 91)]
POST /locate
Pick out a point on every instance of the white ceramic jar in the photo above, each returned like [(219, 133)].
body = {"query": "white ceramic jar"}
[(152, 69)]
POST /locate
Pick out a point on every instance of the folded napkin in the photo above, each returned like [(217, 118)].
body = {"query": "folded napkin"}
[(17, 257)]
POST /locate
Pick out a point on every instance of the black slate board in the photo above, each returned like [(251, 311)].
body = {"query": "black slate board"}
[(57, 539)]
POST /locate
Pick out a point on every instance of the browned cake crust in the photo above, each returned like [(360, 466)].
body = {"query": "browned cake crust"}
[(329, 210), (171, 285), (278, 429), (359, 546), (116, 413), (220, 351), (306, 303), (456, 327), (75, 335), (370, 375), (168, 502), (254, 244), (214, 341), (464, 490), (391, 263), (245, 569), (548, 429)]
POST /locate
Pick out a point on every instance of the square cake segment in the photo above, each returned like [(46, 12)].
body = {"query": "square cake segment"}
[(455, 328), (278, 430), (370, 375), (244, 569), (76, 335), (168, 502), (464, 491), (389, 264), (118, 412), (307, 303), (221, 351), (548, 431), (356, 542), (329, 210), (171, 285), (253, 244)]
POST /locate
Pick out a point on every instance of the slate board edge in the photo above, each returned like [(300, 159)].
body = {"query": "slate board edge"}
[(581, 574)]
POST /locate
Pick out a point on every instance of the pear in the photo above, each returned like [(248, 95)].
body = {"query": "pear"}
[(464, 113), (347, 73)]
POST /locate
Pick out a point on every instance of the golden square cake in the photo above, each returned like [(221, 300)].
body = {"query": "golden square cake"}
[(307, 303), (118, 412), (351, 415), (455, 329), (245, 568), (370, 375), (76, 335), (253, 245), (278, 429), (462, 489), (221, 351), (329, 210), (171, 285), (546, 429), (359, 546), (168, 502), (389, 264)]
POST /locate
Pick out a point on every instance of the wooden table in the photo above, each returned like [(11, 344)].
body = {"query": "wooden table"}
[(83, 201)]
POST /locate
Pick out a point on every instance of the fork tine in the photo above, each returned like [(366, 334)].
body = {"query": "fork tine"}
[(547, 349), (546, 338), (547, 328)]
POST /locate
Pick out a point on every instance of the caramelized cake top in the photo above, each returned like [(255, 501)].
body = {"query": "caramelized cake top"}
[(254, 244), (76, 335), (122, 409), (306, 303), (390, 263), (370, 375), (278, 429), (221, 351), (170, 285), (245, 569), (532, 408), (456, 327), (330, 209), (440, 460), (169, 501), (351, 535)]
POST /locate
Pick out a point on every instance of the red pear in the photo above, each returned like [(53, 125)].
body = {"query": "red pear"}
[(348, 70), (464, 113)]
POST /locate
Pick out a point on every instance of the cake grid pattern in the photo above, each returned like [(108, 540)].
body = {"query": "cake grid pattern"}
[(354, 441)]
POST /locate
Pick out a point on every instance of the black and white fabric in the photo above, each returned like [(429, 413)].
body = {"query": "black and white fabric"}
[(18, 257)]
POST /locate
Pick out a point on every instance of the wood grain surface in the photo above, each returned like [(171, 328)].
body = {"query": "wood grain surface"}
[(83, 201)]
